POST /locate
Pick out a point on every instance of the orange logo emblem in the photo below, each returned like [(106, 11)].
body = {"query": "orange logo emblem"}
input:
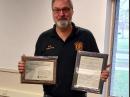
[(78, 45)]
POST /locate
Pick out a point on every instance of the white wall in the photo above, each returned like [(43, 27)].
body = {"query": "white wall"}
[(91, 14), (21, 22)]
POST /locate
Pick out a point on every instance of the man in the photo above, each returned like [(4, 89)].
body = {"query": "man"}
[(64, 40)]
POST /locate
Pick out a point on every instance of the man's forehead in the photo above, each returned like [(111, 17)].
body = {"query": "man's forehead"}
[(61, 2)]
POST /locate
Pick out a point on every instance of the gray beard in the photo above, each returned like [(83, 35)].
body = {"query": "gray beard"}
[(62, 24)]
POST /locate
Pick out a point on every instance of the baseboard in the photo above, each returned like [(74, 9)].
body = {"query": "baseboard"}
[(8, 70), (17, 93)]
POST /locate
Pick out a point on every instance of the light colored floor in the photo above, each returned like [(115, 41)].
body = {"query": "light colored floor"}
[(10, 86)]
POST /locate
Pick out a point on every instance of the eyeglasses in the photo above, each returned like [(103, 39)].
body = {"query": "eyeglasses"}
[(64, 10)]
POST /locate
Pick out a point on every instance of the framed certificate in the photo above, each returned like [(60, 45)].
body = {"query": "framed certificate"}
[(88, 68), (39, 70)]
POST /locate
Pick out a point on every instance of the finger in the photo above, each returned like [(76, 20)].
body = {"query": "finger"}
[(105, 71), (21, 62), (21, 69), (103, 79), (21, 65), (105, 74)]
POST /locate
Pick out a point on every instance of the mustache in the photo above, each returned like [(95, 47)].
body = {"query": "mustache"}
[(63, 18)]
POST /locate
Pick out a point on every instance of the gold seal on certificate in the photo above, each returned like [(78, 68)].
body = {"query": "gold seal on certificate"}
[(88, 68), (39, 69)]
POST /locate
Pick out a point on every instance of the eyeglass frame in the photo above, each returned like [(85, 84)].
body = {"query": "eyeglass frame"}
[(64, 10)]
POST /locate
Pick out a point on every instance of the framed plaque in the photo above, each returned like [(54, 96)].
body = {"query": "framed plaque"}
[(88, 68), (39, 69)]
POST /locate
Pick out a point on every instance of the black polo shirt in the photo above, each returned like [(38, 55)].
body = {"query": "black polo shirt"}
[(50, 44)]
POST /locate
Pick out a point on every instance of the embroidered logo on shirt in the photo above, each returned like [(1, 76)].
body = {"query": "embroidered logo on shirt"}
[(78, 45), (50, 47)]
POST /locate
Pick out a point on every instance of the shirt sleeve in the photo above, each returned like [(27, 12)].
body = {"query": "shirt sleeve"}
[(93, 44), (38, 47)]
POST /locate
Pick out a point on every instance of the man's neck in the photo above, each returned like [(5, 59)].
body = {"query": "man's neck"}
[(64, 33)]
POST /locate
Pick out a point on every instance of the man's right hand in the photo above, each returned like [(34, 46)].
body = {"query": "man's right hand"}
[(21, 66)]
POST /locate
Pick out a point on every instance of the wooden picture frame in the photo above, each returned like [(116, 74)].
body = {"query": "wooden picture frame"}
[(39, 69), (87, 74)]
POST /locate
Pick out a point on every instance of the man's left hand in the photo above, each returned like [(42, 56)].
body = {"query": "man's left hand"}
[(104, 75)]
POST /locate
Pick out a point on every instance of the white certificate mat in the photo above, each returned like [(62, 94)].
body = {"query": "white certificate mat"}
[(39, 70), (88, 70)]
